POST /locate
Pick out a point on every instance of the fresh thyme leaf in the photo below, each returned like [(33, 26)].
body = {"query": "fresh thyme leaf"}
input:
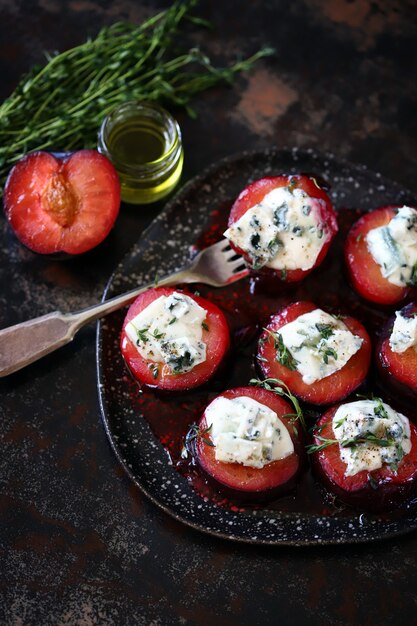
[(155, 371), (174, 319), (157, 335), (372, 482), (62, 104), (329, 352), (325, 443), (205, 326), (339, 423), (284, 274), (292, 184), (281, 389), (371, 438), (365, 396), (379, 409), (283, 355), (141, 333), (325, 330), (359, 237)]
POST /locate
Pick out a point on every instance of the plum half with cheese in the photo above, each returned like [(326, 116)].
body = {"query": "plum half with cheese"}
[(365, 452), (381, 254), (282, 225), (397, 352), (172, 340), (320, 357), (248, 444)]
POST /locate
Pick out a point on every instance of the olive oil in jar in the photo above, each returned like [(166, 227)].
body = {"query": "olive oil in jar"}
[(143, 141)]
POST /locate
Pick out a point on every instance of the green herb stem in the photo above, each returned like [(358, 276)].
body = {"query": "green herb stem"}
[(349, 443), (281, 389)]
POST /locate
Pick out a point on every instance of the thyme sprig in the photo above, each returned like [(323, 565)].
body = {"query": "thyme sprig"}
[(195, 431), (144, 334), (60, 106), (281, 389), (350, 443), (283, 355), (379, 409)]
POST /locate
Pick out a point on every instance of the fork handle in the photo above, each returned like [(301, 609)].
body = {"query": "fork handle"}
[(27, 342)]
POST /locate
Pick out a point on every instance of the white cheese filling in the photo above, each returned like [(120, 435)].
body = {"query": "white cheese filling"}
[(370, 433), (170, 331), (394, 248), (404, 333), (284, 231), (247, 432), (318, 345)]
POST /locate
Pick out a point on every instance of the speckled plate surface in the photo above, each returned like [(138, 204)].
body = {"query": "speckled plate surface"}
[(165, 246)]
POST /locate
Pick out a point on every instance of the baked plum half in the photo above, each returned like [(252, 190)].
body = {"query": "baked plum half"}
[(320, 357), (282, 226), (381, 254), (366, 453), (397, 352), (62, 205), (173, 340), (248, 444)]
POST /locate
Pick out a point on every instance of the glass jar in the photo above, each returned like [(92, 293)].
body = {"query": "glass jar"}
[(143, 141)]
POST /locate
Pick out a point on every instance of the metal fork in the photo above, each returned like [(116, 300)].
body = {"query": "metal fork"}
[(22, 344)]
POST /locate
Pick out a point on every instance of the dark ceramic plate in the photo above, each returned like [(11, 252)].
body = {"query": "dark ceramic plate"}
[(146, 430)]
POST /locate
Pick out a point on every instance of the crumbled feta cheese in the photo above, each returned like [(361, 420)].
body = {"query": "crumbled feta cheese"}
[(247, 432), (370, 433), (169, 331), (394, 247), (318, 344), (404, 333), (284, 231)]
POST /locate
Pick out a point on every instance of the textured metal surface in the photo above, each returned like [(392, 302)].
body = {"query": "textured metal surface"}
[(79, 543)]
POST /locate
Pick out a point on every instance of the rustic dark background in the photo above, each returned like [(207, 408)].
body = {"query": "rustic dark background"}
[(79, 544)]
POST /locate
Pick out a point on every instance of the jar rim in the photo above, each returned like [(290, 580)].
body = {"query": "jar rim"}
[(148, 109)]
